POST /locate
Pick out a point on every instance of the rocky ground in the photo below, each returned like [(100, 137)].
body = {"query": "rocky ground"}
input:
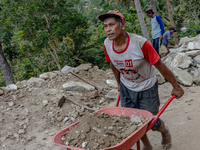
[(30, 116)]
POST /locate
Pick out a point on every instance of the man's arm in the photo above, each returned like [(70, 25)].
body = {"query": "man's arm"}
[(116, 73), (158, 18), (171, 42), (168, 75)]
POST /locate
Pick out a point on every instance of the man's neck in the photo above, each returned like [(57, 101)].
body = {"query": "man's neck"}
[(153, 15), (121, 39), (121, 42)]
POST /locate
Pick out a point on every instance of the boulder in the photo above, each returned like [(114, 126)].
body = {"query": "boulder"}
[(66, 69), (112, 94), (35, 80), (47, 75), (112, 83), (197, 76), (183, 77), (12, 87), (78, 86)]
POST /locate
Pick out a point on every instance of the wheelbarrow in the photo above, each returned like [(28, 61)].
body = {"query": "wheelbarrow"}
[(132, 139)]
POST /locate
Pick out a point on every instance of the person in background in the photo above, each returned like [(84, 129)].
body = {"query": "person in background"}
[(198, 31), (166, 40), (157, 28), (133, 60)]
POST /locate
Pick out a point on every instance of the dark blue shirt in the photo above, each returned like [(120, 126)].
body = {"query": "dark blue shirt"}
[(166, 37)]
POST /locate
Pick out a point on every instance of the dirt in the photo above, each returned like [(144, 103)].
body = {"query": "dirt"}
[(99, 131), (30, 116)]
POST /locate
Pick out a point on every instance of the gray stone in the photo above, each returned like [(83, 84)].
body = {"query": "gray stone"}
[(194, 53), (78, 86), (193, 45), (197, 60), (35, 80), (184, 29), (45, 102), (66, 69), (84, 67), (183, 77), (112, 83), (12, 87), (5, 89), (47, 75), (21, 131), (11, 104), (197, 76), (1, 92), (19, 85), (112, 94), (135, 119), (182, 61)]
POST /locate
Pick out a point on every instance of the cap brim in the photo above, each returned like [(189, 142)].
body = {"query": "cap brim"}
[(104, 16)]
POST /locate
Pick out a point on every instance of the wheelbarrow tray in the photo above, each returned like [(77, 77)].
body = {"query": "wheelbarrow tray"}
[(127, 143)]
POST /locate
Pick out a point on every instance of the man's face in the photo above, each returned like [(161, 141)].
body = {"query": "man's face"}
[(113, 28), (149, 15), (172, 31)]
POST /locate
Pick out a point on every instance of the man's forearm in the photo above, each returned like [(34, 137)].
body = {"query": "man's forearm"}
[(171, 42), (116, 73)]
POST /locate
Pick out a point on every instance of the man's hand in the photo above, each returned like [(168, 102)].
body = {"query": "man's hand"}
[(177, 91), (161, 37)]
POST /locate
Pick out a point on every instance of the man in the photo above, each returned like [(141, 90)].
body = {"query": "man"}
[(157, 28), (198, 31), (166, 40), (131, 59)]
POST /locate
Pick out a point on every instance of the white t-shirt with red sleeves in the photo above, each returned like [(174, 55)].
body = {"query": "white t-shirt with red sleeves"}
[(135, 62)]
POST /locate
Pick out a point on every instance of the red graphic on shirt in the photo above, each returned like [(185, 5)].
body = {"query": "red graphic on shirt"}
[(129, 63)]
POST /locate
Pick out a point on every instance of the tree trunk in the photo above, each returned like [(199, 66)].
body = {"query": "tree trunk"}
[(6, 69), (141, 19), (171, 20), (153, 6)]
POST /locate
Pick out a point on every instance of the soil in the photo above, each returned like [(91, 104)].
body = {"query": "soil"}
[(30, 116), (99, 131)]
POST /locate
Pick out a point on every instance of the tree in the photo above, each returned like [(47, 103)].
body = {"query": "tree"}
[(46, 23), (141, 19), (7, 71), (153, 6), (172, 20)]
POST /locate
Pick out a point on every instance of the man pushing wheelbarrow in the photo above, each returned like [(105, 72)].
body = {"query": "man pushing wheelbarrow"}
[(132, 60)]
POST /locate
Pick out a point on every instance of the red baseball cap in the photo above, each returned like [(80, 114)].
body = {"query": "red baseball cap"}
[(111, 13)]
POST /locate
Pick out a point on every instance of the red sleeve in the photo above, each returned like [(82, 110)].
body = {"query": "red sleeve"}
[(150, 53), (107, 58)]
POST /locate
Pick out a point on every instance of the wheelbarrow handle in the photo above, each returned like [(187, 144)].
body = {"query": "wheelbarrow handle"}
[(118, 99), (159, 113)]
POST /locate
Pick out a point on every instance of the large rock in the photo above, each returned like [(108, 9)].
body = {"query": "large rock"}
[(84, 67), (5, 89), (66, 69), (197, 60), (112, 83), (12, 87), (193, 45), (1, 92), (183, 48), (78, 86), (194, 53), (35, 80), (112, 94), (183, 77), (47, 75), (197, 76), (182, 61)]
